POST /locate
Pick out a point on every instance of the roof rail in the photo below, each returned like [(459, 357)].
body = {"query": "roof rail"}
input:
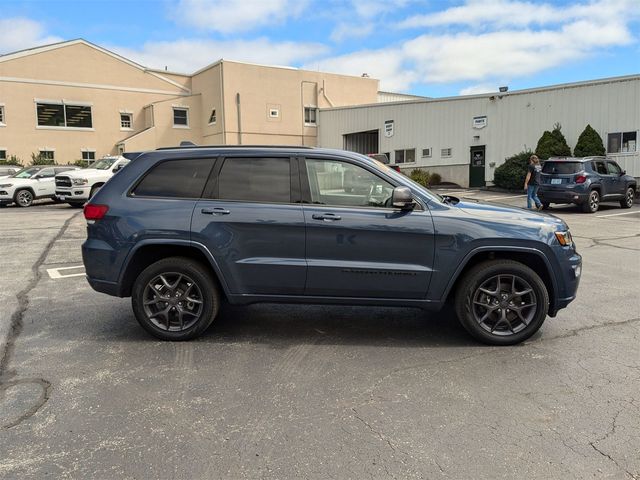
[(192, 145)]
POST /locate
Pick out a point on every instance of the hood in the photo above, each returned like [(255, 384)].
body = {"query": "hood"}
[(505, 213), (86, 173)]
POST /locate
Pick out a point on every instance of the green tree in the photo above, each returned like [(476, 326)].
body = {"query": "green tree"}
[(511, 173), (40, 159), (553, 144), (11, 160), (589, 143)]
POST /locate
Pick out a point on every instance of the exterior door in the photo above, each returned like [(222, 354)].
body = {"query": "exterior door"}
[(476, 167), (357, 245), (45, 183), (253, 224), (615, 179)]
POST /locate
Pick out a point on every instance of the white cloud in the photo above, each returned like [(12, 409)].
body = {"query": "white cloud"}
[(190, 55), (20, 33), (343, 31), (231, 16), (479, 88)]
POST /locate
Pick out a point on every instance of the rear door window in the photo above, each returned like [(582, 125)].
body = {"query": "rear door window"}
[(600, 167), (562, 168), (264, 180), (175, 178)]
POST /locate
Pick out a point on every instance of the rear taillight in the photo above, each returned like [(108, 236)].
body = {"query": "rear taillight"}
[(581, 178), (95, 212)]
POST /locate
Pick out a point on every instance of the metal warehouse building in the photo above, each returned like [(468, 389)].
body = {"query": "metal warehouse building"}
[(465, 138)]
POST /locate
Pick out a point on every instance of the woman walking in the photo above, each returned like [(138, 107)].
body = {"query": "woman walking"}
[(532, 182)]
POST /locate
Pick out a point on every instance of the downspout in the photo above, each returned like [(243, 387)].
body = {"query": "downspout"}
[(222, 105), (324, 94), (239, 118)]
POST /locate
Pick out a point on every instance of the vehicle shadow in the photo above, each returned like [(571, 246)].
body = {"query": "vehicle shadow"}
[(281, 326)]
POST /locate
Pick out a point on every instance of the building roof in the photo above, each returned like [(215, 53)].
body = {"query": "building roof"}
[(560, 86)]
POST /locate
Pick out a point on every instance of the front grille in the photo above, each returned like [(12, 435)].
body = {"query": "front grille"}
[(63, 182)]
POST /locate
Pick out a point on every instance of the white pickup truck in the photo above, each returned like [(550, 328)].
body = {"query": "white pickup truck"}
[(77, 187)]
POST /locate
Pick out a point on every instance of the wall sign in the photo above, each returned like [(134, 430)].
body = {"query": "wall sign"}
[(480, 122), (388, 128)]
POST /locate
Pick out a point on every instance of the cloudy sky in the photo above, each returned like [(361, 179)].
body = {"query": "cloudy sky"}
[(426, 47)]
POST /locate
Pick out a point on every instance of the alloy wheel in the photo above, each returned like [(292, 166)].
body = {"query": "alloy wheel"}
[(629, 197), (173, 301), (504, 304), (24, 198), (594, 201)]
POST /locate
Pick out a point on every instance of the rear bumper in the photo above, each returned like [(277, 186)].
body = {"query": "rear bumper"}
[(102, 286), (547, 195)]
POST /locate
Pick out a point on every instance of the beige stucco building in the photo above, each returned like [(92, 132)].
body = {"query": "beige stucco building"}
[(75, 100)]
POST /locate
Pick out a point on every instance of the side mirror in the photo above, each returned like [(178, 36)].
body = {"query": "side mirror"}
[(623, 172), (117, 168), (402, 198)]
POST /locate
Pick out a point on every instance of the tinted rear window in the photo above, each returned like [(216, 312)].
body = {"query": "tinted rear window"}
[(562, 168), (255, 180), (176, 178)]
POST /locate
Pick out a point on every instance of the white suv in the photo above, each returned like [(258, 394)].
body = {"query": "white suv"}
[(76, 188), (24, 187)]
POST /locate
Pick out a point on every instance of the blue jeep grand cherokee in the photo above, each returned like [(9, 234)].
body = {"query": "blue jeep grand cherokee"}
[(182, 229)]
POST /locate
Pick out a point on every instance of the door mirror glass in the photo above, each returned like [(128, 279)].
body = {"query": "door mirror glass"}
[(402, 198)]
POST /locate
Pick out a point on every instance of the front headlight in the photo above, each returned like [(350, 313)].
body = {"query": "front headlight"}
[(564, 238), (79, 181), (6, 185)]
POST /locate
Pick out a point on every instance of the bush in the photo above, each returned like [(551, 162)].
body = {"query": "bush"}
[(553, 144), (589, 143), (424, 177), (511, 173), (40, 159), (11, 160), (81, 163)]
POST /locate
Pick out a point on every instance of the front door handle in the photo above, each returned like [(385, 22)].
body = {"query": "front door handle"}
[(215, 211), (329, 217)]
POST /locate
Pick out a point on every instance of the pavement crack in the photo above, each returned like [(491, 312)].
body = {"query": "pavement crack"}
[(576, 331), (23, 303), (44, 396)]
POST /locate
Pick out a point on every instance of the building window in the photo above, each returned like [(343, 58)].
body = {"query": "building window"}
[(126, 121), (445, 152), (3, 154), (622, 142), (310, 114), (64, 115), (180, 117), (405, 156), (47, 154), (2, 124), (89, 156), (426, 152), (212, 117)]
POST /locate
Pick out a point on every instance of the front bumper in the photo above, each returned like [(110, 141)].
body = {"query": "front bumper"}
[(73, 194), (568, 276)]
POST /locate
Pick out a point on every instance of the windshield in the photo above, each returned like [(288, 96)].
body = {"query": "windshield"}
[(26, 173), (403, 178), (104, 163), (562, 168)]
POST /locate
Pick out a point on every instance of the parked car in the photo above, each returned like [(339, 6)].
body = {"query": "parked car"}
[(179, 229), (77, 187), (8, 170), (586, 182), (24, 187)]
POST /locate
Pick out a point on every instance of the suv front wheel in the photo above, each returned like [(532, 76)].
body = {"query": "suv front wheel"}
[(501, 302), (627, 201), (175, 299)]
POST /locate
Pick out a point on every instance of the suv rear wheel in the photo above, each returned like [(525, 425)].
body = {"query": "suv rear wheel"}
[(501, 302), (593, 202), (175, 299), (627, 201)]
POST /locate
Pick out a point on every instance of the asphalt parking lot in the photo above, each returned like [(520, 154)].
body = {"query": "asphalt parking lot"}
[(274, 391)]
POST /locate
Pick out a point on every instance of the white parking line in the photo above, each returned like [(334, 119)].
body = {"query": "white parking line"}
[(618, 214), (57, 273), (498, 198)]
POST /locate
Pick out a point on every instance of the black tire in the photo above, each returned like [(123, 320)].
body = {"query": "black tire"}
[(166, 326), (629, 195), (469, 302), (592, 203), (93, 191), (23, 198)]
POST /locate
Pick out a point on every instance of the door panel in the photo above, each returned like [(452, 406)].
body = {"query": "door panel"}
[(258, 247), (476, 167), (374, 253)]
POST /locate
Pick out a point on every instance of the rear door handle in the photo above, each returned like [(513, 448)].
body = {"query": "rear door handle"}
[(329, 217), (215, 211)]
